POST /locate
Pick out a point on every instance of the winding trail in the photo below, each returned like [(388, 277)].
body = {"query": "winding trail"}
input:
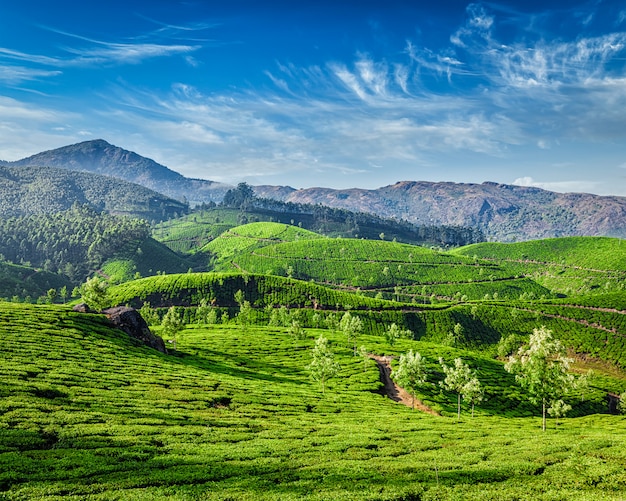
[(392, 390)]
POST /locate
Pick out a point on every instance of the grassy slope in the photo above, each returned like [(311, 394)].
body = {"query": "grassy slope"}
[(22, 281), (85, 413), (380, 266), (571, 265), (588, 331), (146, 258), (248, 237)]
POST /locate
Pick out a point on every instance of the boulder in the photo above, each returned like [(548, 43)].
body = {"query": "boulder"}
[(83, 308), (133, 324)]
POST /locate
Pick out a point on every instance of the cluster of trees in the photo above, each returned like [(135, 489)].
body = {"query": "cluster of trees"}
[(541, 368), (73, 243)]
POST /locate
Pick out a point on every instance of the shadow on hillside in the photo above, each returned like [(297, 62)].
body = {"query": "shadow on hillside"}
[(240, 367)]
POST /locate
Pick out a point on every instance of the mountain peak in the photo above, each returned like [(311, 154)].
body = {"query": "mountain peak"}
[(101, 157)]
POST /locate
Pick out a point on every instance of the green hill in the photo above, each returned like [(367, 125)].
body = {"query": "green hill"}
[(86, 413), (43, 190), (571, 265), (21, 282), (247, 238), (400, 271)]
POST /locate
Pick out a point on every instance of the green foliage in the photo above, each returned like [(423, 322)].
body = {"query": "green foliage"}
[(88, 413), (463, 381), (351, 326), (569, 265), (95, 293), (172, 324), (410, 373), (73, 243), (28, 191), (542, 370), (323, 365), (21, 282)]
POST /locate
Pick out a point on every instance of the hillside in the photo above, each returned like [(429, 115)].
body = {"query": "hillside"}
[(502, 212), (570, 266), (100, 157), (44, 190), (79, 242), (373, 267), (86, 413)]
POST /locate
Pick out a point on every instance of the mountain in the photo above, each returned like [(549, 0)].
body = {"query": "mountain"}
[(100, 157), (42, 190), (502, 212)]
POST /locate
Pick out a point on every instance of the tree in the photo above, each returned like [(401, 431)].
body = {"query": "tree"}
[(149, 314), (461, 380), (541, 368), (63, 294), (323, 366), (51, 295), (473, 392), (202, 311), (393, 333), (240, 197), (351, 326), (296, 332), (239, 297), (411, 373), (244, 317), (95, 292), (172, 324), (558, 409)]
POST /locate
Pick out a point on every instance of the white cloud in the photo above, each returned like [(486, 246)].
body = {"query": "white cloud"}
[(559, 186), (17, 74)]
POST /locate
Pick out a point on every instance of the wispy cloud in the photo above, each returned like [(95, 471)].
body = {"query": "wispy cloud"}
[(13, 75), (476, 95), (559, 186)]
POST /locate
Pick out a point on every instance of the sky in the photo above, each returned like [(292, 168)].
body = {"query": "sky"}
[(337, 93)]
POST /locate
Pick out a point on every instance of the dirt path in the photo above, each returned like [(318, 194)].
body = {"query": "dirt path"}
[(392, 390)]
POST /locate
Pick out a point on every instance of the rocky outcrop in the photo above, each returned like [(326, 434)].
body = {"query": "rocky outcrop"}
[(133, 324)]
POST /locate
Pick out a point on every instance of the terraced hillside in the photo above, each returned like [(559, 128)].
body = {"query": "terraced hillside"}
[(248, 237), (396, 271), (86, 413), (571, 266)]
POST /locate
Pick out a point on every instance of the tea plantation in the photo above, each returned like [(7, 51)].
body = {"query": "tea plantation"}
[(86, 413), (232, 411)]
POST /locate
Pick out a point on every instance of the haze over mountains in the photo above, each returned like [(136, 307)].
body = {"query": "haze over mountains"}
[(502, 212)]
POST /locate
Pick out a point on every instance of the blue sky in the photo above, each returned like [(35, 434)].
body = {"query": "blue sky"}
[(326, 93)]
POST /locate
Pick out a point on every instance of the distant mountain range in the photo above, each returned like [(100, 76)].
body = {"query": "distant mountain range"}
[(502, 212)]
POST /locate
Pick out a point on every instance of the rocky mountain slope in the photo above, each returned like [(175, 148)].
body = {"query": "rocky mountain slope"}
[(501, 212), (100, 157)]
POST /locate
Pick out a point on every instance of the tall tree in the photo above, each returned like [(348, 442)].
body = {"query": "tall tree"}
[(323, 365), (172, 324), (351, 326), (541, 368), (461, 380), (411, 373)]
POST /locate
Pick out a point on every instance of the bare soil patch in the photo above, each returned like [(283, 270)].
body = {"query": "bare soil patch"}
[(392, 390)]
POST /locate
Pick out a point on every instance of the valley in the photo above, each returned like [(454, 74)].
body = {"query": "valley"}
[(287, 326), (231, 411)]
